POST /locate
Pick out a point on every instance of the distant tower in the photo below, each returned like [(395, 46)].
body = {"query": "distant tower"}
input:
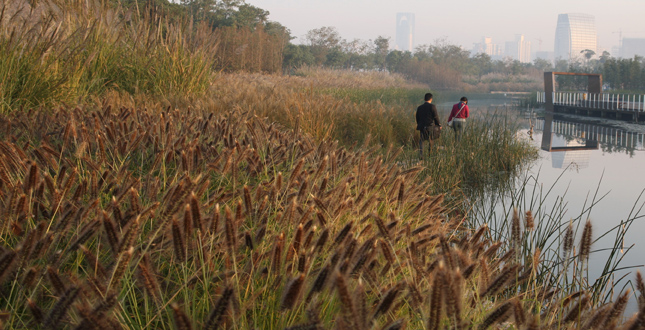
[(405, 31), (520, 49), (573, 34)]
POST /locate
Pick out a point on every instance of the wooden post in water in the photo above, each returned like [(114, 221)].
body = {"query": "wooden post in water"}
[(549, 89)]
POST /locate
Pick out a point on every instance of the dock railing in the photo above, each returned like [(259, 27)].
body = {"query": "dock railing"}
[(604, 101)]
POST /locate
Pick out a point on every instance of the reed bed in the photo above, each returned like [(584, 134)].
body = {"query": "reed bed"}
[(134, 218)]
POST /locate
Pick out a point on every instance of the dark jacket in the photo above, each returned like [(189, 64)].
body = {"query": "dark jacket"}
[(427, 115)]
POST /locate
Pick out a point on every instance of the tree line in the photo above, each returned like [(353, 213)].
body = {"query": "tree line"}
[(249, 41)]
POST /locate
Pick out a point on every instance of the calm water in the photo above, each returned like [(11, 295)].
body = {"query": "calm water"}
[(584, 160)]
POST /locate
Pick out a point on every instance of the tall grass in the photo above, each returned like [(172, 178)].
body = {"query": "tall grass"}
[(66, 52), (161, 219)]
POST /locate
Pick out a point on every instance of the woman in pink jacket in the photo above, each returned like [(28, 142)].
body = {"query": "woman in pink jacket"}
[(458, 116)]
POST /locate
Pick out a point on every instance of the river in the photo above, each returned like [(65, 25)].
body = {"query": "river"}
[(588, 168)]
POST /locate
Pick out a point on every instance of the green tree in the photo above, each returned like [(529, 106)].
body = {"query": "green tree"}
[(296, 56), (381, 48), (322, 41)]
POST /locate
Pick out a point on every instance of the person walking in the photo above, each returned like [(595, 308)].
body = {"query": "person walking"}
[(458, 115), (428, 123)]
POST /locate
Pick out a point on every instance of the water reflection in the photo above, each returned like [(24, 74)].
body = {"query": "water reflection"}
[(571, 143)]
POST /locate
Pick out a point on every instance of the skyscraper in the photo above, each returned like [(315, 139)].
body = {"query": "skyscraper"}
[(519, 49), (632, 47), (574, 34), (405, 31)]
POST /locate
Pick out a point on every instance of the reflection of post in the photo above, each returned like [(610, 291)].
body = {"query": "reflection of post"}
[(547, 133)]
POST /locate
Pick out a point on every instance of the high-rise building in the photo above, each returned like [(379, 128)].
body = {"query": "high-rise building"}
[(632, 47), (519, 49), (574, 34), (405, 31), (488, 47)]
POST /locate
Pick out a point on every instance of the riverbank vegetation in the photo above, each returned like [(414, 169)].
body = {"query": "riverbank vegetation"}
[(146, 183)]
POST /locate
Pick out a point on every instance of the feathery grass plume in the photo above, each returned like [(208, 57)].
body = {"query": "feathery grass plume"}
[(187, 222), (295, 172), (247, 200), (323, 185), (130, 235), (276, 261), (340, 237), (381, 227), (292, 292), (498, 283), (178, 241), (387, 253), (401, 194), (343, 294), (499, 315), (297, 238), (7, 261), (60, 308), (321, 168), (536, 259), (93, 261), (518, 313), (110, 233), (577, 309), (453, 295), (617, 309), (309, 238), (229, 230), (306, 214), (35, 311), (585, 241), (122, 264), (322, 240), (290, 211), (596, 320), (219, 310), (302, 262), (182, 322), (55, 280), (148, 277), (29, 278), (321, 219), (248, 241), (568, 241), (529, 221), (215, 219), (386, 302), (640, 286), (436, 300), (278, 182), (516, 233), (196, 213), (319, 282), (31, 178)]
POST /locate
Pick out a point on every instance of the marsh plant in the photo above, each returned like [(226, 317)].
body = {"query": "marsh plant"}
[(131, 218)]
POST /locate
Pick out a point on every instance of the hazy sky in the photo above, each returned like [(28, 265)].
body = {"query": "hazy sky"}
[(461, 22)]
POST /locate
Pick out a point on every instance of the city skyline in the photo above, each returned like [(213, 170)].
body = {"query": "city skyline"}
[(500, 20), (574, 34)]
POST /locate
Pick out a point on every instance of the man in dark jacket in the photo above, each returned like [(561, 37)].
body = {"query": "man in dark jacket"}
[(427, 123)]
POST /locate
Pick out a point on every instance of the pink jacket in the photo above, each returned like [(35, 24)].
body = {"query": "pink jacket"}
[(455, 109)]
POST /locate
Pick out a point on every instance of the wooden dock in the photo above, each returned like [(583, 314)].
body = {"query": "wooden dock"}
[(593, 103)]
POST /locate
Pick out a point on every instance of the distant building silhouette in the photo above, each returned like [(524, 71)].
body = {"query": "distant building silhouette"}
[(519, 49), (573, 34), (489, 48), (405, 31), (633, 47)]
